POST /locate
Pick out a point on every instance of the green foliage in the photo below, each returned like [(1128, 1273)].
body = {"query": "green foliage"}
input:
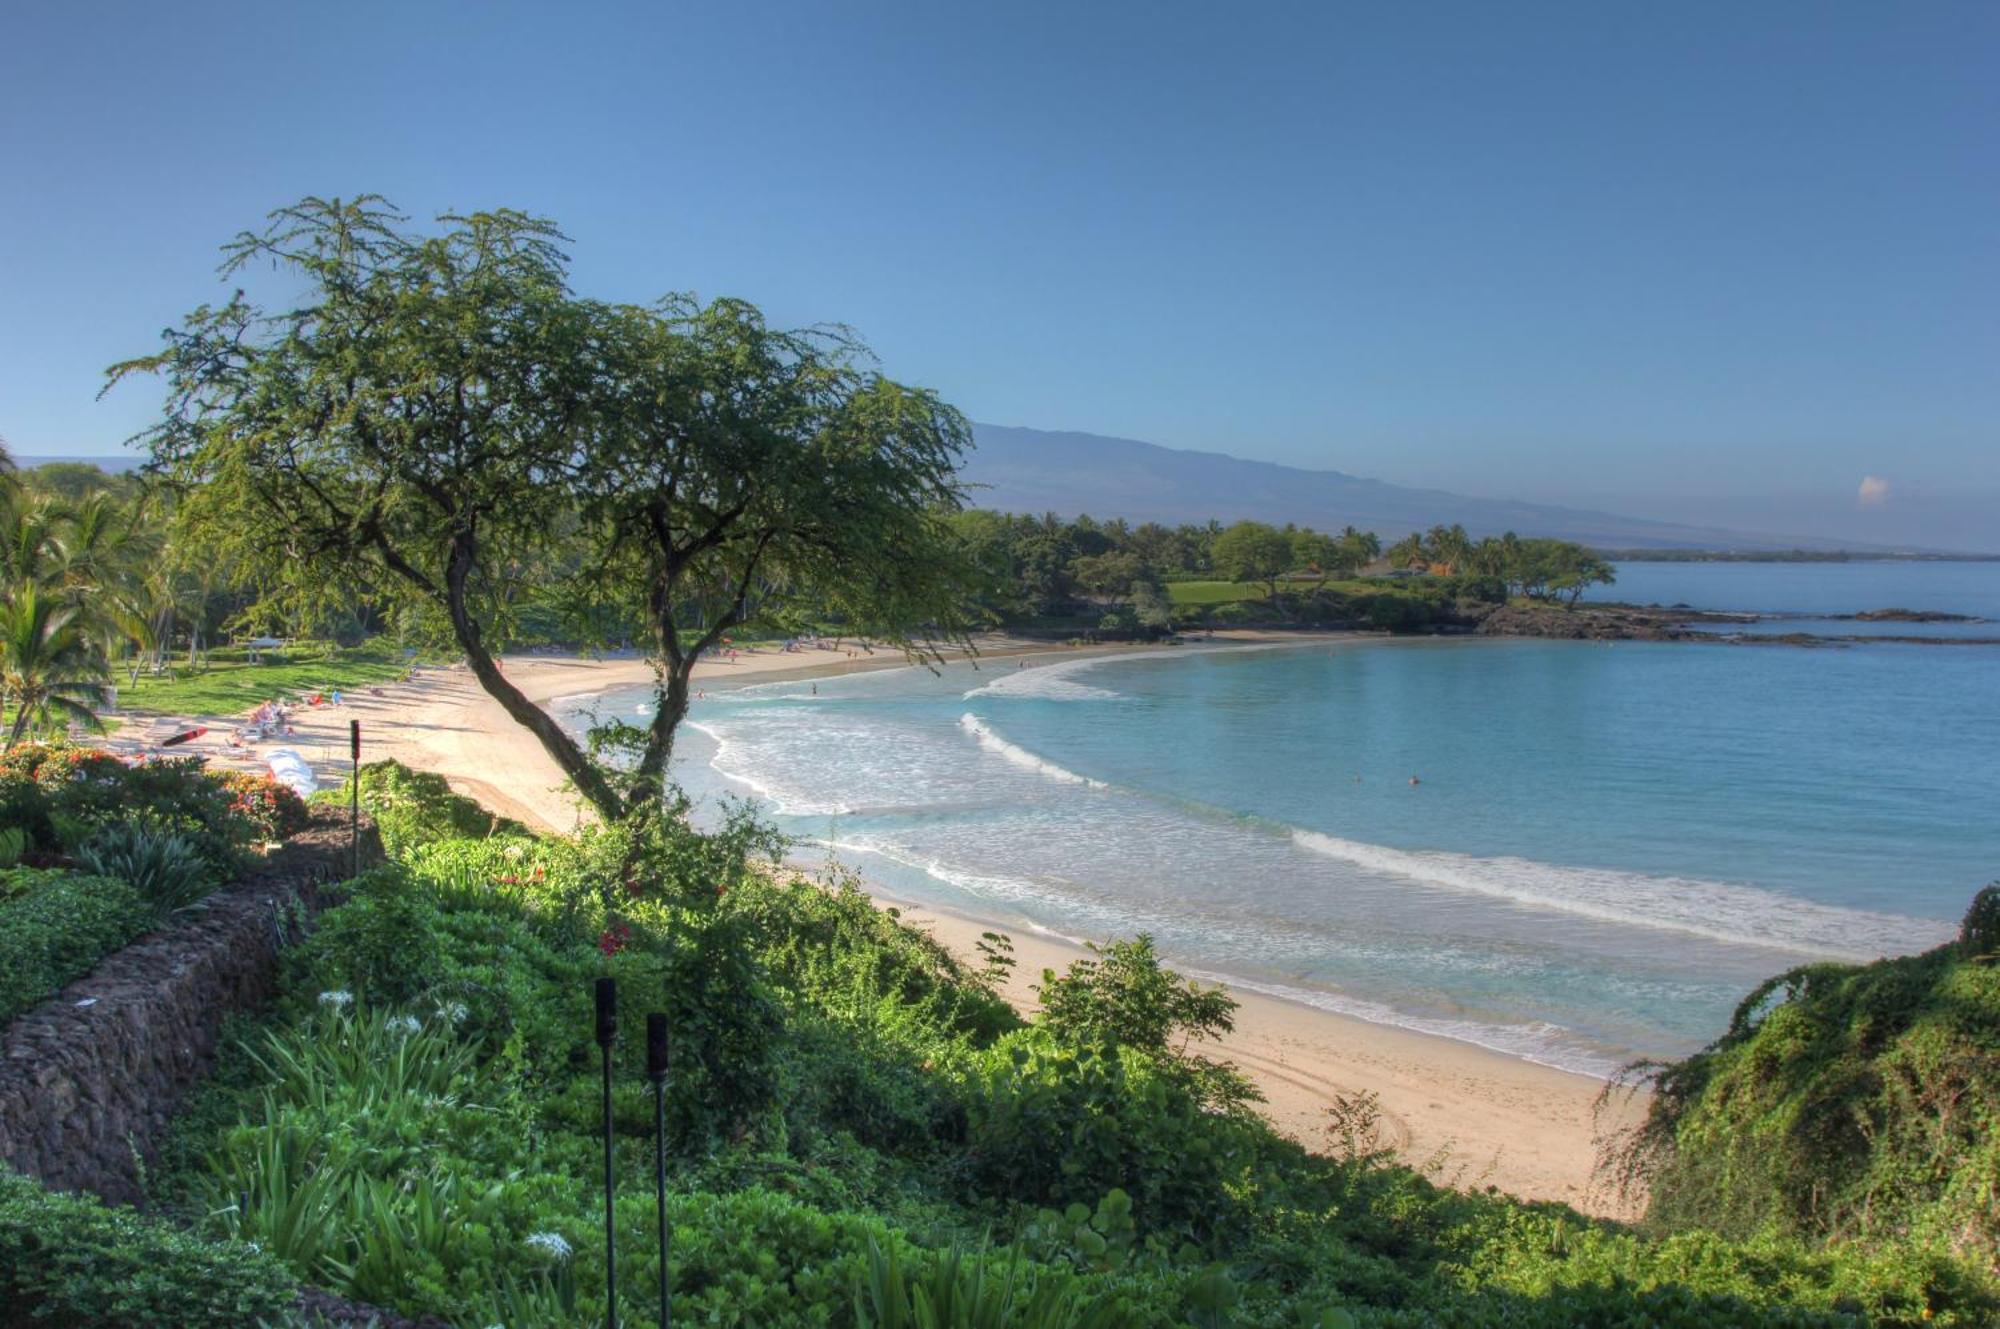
[(1055, 1125), (55, 927), (1126, 998), (166, 869), (68, 1260), (1844, 1102), (1212, 592), (416, 808), (270, 808), (853, 1112), (979, 1291), (683, 465), (64, 795), (727, 1026), (1252, 551), (1979, 935), (385, 947)]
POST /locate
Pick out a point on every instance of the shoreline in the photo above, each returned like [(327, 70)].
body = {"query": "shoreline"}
[(1468, 1115), (1465, 1115)]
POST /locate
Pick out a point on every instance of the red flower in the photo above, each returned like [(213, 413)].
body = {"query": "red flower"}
[(614, 939)]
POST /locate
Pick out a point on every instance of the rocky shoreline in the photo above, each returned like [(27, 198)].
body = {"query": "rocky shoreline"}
[(1616, 622)]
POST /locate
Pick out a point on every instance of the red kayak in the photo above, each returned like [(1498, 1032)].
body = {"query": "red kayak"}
[(185, 736)]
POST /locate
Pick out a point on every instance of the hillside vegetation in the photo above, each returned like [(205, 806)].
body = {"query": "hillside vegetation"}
[(861, 1129), (1844, 1103)]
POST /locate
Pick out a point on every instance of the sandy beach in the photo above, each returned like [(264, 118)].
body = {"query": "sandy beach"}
[(1474, 1117)]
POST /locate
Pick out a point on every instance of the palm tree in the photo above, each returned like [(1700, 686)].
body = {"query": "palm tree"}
[(50, 673)]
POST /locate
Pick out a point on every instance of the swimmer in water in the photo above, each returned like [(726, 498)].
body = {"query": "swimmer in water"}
[(1415, 780)]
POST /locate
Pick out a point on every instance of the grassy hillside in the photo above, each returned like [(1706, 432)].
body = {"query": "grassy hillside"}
[(1845, 1103)]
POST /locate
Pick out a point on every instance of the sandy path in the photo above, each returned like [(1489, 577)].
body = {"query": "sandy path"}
[(1492, 1119)]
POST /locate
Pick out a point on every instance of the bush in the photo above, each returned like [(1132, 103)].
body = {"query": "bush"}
[(1051, 1125), (63, 795), (163, 867), (55, 927), (1844, 1101), (413, 808), (1979, 934), (68, 1260), (269, 807), (383, 945)]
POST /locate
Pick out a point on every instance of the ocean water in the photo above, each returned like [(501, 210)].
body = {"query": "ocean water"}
[(1607, 845), (1804, 594)]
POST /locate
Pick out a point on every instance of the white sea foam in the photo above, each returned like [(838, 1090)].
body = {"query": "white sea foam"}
[(1045, 683), (1719, 911), (786, 803), (1541, 1042), (1020, 756)]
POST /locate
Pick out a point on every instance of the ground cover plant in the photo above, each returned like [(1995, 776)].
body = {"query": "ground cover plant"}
[(863, 1132), (56, 925)]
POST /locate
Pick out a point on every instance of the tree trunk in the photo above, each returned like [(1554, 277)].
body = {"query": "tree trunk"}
[(574, 763)]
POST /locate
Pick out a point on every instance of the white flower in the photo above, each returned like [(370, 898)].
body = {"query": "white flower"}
[(513, 853), (550, 1243), (453, 1012), (405, 1024), (337, 1000)]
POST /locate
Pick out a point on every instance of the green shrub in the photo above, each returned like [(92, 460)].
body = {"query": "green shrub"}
[(69, 1260), (165, 868), (1055, 1125), (265, 804), (1979, 934), (841, 1086), (63, 795), (382, 945), (981, 1291), (1844, 1101), (727, 1026), (55, 927), (412, 808)]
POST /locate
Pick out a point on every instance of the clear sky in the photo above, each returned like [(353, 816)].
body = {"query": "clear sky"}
[(1669, 258)]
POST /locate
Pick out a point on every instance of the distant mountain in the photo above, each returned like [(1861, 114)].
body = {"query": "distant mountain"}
[(1034, 470)]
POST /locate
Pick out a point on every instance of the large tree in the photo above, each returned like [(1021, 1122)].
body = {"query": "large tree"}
[(437, 418), (1253, 551)]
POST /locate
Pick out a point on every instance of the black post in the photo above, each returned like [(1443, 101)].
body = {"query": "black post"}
[(354, 806), (607, 1031), (656, 1071)]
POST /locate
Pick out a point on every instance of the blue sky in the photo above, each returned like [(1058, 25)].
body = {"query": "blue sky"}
[(1682, 260)]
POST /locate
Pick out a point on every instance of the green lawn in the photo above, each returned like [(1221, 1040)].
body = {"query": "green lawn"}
[(229, 685), (1212, 592)]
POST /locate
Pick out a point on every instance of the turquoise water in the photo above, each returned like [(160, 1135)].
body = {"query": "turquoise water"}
[(1608, 845)]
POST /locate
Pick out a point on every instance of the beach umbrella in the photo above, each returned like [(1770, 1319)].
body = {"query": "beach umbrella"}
[(184, 736)]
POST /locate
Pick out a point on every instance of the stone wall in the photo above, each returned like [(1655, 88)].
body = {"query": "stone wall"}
[(95, 1074)]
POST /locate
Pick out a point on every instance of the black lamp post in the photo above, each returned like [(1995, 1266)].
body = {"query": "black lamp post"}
[(354, 795), (607, 1033), (656, 1071)]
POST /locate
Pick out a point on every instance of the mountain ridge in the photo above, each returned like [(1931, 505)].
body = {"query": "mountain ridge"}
[(1014, 468)]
